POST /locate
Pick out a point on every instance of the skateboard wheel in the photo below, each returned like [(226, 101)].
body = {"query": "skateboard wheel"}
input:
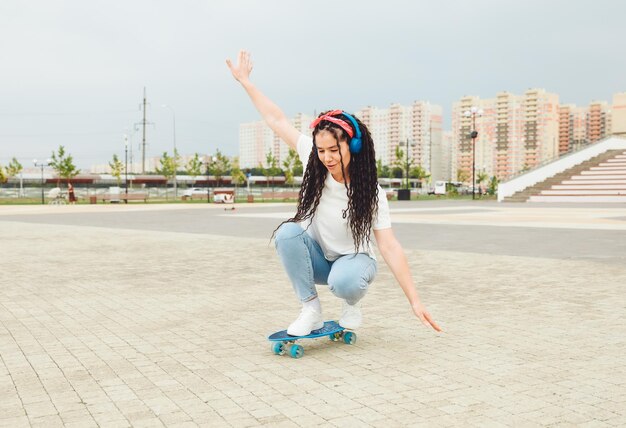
[(296, 351), (278, 348), (349, 337), (335, 336)]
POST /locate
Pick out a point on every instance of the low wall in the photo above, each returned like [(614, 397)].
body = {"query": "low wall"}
[(566, 162)]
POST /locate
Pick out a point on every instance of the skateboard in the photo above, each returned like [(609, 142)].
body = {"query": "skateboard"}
[(283, 343)]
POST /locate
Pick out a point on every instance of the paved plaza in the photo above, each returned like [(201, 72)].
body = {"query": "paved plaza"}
[(151, 315)]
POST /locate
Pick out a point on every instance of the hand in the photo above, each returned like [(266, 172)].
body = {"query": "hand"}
[(421, 312), (241, 71)]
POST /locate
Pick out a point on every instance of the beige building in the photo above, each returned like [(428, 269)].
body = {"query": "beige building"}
[(598, 122), (541, 127), (419, 124), (377, 122), (473, 114), (572, 127), (444, 159), (256, 140), (618, 114), (515, 132)]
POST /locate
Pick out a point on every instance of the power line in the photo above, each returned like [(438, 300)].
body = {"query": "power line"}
[(81, 113), (64, 134)]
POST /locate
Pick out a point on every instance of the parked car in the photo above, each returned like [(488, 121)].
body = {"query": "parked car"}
[(194, 191)]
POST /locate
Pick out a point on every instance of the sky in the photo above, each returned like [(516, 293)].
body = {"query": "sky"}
[(73, 72)]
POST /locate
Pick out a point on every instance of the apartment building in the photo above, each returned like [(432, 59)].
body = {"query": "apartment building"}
[(598, 122), (256, 140), (618, 114), (572, 127), (377, 122), (444, 159), (468, 114), (541, 127), (418, 124), (515, 132)]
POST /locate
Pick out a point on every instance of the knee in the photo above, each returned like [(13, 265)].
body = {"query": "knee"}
[(351, 287), (347, 287), (287, 231)]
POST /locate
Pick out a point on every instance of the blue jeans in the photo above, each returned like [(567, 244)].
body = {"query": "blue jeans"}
[(348, 277)]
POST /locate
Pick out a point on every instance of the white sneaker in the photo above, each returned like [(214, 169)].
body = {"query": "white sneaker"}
[(350, 316), (308, 321)]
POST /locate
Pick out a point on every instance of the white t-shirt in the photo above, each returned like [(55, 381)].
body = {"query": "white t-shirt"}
[(328, 227)]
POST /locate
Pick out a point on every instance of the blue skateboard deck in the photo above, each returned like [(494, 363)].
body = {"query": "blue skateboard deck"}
[(283, 343)]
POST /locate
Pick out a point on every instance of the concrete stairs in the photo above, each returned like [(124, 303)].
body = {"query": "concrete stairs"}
[(599, 179)]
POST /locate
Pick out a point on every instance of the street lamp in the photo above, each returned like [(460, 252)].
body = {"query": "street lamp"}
[(473, 112), (407, 165), (208, 176), (405, 194), (42, 165), (174, 139), (126, 165)]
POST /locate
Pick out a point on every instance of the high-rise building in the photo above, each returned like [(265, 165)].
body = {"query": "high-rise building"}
[(541, 126), (480, 157), (598, 121), (377, 122), (419, 124), (515, 132), (508, 155), (426, 135), (256, 140), (618, 114), (444, 159), (572, 127)]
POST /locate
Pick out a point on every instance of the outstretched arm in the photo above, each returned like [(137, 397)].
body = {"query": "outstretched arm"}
[(392, 252), (271, 113)]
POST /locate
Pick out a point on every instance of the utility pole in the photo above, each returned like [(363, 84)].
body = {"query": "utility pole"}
[(143, 123), (143, 144)]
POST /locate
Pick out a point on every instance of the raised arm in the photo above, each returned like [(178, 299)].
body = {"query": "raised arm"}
[(271, 113)]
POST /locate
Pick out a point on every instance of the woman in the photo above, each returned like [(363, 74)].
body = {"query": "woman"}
[(340, 204), (70, 192)]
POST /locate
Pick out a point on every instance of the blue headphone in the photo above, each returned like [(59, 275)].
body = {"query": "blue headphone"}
[(355, 143)]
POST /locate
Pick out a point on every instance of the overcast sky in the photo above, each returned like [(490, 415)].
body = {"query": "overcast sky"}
[(73, 72)]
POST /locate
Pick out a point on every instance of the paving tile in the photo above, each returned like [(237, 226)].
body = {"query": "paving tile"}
[(529, 341)]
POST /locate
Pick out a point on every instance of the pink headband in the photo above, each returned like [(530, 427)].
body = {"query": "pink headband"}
[(329, 117)]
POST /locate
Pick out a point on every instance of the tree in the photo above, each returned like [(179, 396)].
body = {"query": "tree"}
[(480, 178), (116, 169), (462, 175), (402, 164), (291, 164), (3, 175), (63, 164), (383, 171), (258, 170), (399, 162), (493, 185), (13, 169), (168, 166), (238, 177), (419, 173), (220, 166), (272, 169), (194, 166)]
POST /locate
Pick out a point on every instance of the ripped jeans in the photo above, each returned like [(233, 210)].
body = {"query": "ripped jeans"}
[(348, 277)]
